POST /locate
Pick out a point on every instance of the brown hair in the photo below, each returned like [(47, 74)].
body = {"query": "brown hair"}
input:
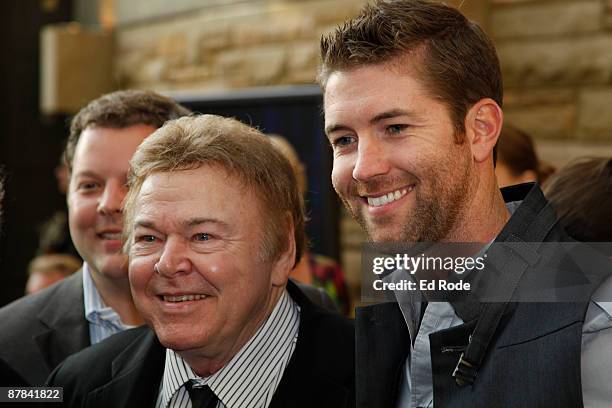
[(285, 147), (244, 152), (456, 60), (119, 110), (62, 263), (581, 194), (516, 150)]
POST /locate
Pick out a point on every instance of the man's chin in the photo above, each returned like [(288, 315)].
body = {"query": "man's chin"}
[(114, 267)]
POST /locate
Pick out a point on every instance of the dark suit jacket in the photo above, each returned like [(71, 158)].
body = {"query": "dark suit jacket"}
[(40, 330), (125, 370), (533, 359)]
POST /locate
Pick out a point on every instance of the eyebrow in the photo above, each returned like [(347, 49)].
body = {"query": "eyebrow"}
[(192, 222), (86, 173), (393, 113)]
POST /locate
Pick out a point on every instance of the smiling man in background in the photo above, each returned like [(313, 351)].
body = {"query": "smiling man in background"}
[(41, 330)]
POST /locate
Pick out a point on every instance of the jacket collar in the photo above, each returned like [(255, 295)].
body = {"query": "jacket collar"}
[(64, 316), (303, 369)]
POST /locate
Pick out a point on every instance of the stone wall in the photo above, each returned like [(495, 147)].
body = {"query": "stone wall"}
[(556, 59), (241, 44)]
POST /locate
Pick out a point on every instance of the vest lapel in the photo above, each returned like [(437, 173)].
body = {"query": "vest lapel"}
[(382, 346)]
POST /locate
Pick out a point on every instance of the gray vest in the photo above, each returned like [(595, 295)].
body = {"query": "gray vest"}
[(523, 354)]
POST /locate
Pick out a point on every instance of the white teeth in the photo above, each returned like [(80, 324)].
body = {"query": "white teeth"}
[(183, 298), (388, 198), (111, 235)]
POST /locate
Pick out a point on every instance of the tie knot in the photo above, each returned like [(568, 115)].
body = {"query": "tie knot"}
[(201, 396)]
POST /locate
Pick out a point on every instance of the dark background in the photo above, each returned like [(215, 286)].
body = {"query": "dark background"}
[(30, 145)]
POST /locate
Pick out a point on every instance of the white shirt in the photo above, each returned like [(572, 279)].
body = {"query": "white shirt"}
[(251, 377), (103, 320)]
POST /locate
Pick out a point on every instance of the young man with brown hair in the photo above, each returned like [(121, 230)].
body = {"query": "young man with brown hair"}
[(412, 100)]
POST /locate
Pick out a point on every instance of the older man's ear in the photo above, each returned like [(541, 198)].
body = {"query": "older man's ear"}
[(285, 262)]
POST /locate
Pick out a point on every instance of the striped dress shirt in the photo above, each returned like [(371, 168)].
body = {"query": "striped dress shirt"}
[(103, 320), (251, 377)]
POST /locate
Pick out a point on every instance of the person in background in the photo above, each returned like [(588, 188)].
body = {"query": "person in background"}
[(314, 269), (581, 194), (45, 270), (39, 331), (517, 160)]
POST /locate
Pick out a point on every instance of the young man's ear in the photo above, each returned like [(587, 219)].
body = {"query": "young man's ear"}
[(483, 124)]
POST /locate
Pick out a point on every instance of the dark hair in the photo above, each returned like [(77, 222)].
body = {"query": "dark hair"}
[(453, 56), (581, 194), (516, 150), (119, 110), (242, 151)]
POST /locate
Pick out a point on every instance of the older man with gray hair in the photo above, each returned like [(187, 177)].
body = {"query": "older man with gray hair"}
[(214, 226)]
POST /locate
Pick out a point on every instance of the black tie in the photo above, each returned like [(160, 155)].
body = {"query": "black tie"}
[(201, 397)]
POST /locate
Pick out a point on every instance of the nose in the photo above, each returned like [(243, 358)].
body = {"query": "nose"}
[(112, 198), (174, 259), (371, 159)]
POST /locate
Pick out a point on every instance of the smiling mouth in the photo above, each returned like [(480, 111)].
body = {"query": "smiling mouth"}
[(182, 298), (389, 197), (111, 236)]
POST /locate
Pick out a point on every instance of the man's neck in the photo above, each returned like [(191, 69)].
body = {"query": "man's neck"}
[(117, 295), (483, 215)]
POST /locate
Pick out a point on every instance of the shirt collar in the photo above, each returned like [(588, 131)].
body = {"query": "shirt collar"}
[(95, 308), (269, 344)]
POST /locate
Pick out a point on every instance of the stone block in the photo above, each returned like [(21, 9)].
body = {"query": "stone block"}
[(524, 97), (548, 121), (334, 12), (213, 38), (189, 74), (253, 66), (304, 55), (584, 60), (173, 49), (546, 18), (594, 118), (282, 28)]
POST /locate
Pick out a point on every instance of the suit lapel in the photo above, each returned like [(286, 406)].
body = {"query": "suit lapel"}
[(68, 331), (305, 383), (136, 375)]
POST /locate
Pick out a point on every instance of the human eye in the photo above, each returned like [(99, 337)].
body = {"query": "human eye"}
[(202, 237), (343, 141), (88, 185), (396, 129), (146, 239)]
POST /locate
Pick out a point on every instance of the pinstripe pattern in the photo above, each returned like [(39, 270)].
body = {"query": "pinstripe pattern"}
[(103, 320), (251, 377)]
